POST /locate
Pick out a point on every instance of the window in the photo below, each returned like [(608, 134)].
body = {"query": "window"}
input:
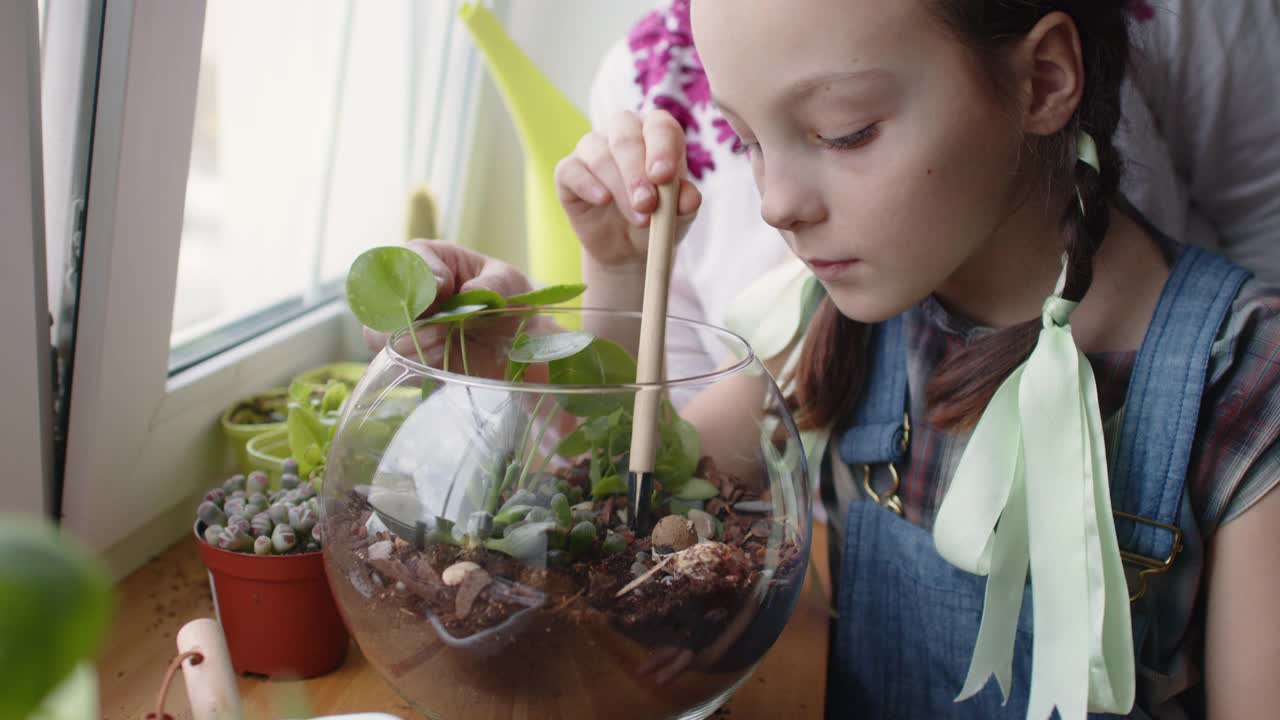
[(313, 124), (239, 155)]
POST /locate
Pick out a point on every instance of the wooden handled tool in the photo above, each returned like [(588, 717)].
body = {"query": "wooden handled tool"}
[(649, 360)]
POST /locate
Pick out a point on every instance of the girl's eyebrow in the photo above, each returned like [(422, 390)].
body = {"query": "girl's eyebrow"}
[(807, 86)]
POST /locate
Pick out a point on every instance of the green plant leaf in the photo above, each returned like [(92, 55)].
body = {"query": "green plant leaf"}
[(611, 484), (526, 542), (459, 313), (55, 606), (603, 362), (546, 348), (487, 298), (697, 489), (333, 398), (386, 283), (308, 436), (575, 443), (550, 295)]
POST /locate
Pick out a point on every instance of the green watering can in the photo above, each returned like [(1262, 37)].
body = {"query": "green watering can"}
[(550, 127)]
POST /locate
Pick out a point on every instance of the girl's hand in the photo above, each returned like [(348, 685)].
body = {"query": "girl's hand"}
[(608, 186), (457, 270)]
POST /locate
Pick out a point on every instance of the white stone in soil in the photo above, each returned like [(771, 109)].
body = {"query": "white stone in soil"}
[(457, 572)]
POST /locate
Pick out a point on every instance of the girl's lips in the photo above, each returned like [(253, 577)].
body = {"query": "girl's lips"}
[(828, 270)]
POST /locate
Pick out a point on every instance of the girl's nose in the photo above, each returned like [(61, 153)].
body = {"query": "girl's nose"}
[(787, 202)]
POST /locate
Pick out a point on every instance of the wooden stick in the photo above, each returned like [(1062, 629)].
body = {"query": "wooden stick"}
[(649, 359)]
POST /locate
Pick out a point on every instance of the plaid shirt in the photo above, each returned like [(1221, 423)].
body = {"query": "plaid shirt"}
[(1235, 461)]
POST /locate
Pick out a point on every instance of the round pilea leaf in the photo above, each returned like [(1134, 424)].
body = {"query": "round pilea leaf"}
[(388, 286)]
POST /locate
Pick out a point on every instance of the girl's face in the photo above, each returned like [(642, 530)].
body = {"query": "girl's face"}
[(877, 142)]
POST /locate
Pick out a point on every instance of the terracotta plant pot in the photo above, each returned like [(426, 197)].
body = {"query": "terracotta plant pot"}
[(276, 611)]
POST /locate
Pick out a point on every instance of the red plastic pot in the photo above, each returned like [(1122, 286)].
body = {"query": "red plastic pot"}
[(277, 612)]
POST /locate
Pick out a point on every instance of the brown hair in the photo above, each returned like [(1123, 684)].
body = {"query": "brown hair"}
[(829, 375)]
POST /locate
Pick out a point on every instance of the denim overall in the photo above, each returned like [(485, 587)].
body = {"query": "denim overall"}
[(908, 618)]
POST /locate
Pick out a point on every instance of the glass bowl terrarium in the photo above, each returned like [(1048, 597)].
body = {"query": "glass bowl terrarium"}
[(482, 544)]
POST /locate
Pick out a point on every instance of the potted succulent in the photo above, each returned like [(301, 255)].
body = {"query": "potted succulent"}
[(262, 548), (485, 549)]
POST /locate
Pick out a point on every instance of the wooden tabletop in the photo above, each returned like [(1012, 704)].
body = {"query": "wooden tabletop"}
[(173, 589)]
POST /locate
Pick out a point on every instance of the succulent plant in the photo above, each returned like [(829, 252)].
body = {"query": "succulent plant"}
[(289, 481), (560, 508), (581, 538), (290, 467), (257, 482), (283, 538), (278, 512), (302, 519), (262, 546), (211, 533), (234, 539), (243, 515), (239, 521), (613, 544), (234, 506), (210, 514), (261, 525)]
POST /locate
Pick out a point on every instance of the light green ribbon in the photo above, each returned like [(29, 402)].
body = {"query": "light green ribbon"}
[(1031, 491)]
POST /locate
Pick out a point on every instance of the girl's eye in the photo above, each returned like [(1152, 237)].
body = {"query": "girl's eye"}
[(848, 142)]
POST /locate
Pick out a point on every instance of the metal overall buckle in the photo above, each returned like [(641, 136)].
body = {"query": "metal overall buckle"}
[(889, 499), (1146, 565)]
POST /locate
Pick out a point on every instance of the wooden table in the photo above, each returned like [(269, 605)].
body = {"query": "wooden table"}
[(173, 589)]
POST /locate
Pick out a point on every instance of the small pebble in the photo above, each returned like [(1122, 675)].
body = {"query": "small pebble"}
[(760, 529), (675, 532), (638, 569), (380, 550), (642, 557), (457, 572)]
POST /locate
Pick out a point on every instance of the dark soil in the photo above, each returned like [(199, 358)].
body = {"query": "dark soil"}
[(688, 609)]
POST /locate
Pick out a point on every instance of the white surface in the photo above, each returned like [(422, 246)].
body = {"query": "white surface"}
[(25, 416)]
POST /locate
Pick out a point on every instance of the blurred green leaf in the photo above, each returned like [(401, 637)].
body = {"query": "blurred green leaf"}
[(546, 348), (697, 489), (603, 362), (487, 298), (550, 295), (454, 315), (55, 606)]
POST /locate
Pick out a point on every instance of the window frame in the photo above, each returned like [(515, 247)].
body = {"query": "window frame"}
[(26, 353), (143, 445)]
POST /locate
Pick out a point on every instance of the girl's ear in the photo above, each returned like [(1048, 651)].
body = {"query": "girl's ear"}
[(1050, 71)]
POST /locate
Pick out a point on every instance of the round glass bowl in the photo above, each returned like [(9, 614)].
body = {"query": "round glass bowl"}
[(480, 540)]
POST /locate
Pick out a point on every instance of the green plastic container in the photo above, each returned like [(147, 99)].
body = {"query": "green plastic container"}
[(267, 452), (239, 434), (345, 372)]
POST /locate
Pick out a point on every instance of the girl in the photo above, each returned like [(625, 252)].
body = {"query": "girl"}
[(938, 165)]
